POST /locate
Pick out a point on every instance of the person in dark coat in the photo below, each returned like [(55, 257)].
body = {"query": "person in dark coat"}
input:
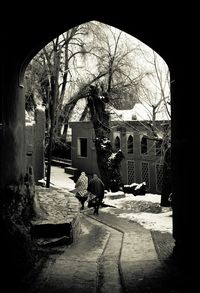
[(96, 193)]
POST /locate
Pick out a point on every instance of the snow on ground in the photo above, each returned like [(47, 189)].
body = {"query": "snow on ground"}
[(60, 179), (129, 197), (158, 222), (144, 209), (131, 207)]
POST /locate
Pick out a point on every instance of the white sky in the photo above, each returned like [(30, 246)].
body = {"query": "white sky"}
[(141, 59)]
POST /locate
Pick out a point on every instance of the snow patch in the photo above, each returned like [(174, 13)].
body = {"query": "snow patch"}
[(159, 220)]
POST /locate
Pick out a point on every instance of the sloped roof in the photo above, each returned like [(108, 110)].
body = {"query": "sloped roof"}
[(139, 112)]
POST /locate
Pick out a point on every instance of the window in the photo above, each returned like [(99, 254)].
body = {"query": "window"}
[(130, 144), (82, 147), (116, 140), (159, 177), (117, 143), (144, 145), (131, 171)]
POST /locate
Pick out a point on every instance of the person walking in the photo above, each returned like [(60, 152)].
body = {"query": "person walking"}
[(96, 193), (81, 189)]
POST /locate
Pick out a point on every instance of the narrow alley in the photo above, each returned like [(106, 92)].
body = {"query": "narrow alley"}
[(111, 255)]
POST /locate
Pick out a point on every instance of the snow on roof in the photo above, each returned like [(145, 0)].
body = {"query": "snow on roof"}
[(139, 112)]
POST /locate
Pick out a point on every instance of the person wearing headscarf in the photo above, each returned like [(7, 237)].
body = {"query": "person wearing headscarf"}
[(81, 189)]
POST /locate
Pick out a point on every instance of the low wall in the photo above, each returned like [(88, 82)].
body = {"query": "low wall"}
[(74, 215), (57, 207)]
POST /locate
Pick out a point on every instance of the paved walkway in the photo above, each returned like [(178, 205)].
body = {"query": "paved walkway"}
[(75, 270), (61, 179), (111, 255), (139, 266)]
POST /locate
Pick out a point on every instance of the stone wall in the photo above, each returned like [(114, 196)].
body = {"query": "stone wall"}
[(56, 209), (39, 138), (34, 143), (150, 160), (74, 216), (19, 251)]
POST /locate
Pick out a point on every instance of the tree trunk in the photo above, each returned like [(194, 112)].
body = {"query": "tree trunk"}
[(49, 157), (108, 161), (54, 95)]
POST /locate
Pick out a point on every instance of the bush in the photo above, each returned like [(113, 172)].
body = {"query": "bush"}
[(60, 149)]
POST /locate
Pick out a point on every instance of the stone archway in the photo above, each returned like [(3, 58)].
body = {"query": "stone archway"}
[(183, 136)]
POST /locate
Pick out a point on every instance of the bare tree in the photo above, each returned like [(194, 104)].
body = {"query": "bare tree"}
[(115, 56), (52, 76), (92, 55), (108, 161), (155, 96)]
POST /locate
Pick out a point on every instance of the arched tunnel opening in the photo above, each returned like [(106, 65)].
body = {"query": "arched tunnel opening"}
[(13, 137)]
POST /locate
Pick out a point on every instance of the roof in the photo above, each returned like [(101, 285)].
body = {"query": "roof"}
[(139, 112)]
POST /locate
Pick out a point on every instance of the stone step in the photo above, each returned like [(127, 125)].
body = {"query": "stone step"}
[(61, 159), (44, 229), (61, 164), (70, 170), (53, 242), (57, 215)]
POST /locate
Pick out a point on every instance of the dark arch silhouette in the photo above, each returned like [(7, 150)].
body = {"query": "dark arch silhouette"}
[(18, 48), (144, 145), (117, 143)]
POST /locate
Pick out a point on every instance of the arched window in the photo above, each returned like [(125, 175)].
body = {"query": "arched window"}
[(143, 145), (117, 143), (130, 144)]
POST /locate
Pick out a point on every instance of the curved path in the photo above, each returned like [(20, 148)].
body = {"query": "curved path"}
[(111, 255), (139, 267)]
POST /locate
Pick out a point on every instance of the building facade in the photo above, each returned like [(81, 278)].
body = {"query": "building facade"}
[(143, 157)]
